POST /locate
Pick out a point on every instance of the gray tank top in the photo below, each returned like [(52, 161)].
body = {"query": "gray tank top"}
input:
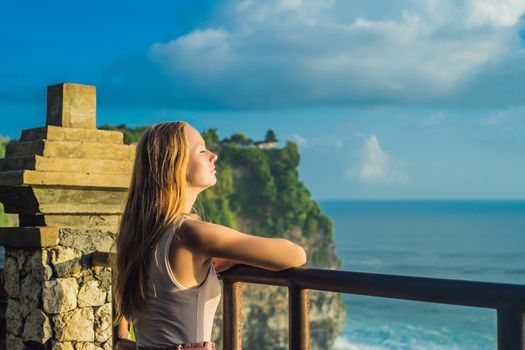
[(174, 314)]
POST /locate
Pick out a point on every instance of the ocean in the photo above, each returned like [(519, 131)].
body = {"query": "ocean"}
[(467, 240)]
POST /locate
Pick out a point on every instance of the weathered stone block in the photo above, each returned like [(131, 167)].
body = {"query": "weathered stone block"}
[(13, 317), (71, 105), (86, 346), (103, 275), (66, 261), (96, 221), (37, 327), (28, 237), (108, 345), (86, 240), (21, 257), (91, 294), (75, 325), (103, 329), (56, 133), (62, 346), (60, 295), (36, 264), (31, 177), (68, 165), (69, 149), (11, 278), (14, 343), (30, 292), (59, 200)]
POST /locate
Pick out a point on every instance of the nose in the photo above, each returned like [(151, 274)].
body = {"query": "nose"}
[(214, 156)]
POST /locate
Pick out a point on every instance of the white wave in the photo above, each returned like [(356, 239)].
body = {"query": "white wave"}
[(341, 343)]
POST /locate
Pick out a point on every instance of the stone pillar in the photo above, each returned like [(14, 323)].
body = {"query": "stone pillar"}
[(68, 182)]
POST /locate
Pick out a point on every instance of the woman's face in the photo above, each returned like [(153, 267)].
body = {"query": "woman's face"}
[(201, 168)]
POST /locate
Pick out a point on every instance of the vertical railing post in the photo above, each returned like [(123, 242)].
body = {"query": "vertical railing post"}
[(511, 328), (232, 315), (298, 318)]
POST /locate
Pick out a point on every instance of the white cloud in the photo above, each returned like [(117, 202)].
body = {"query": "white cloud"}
[(282, 53), (496, 13), (301, 141), (201, 53), (338, 144), (376, 165)]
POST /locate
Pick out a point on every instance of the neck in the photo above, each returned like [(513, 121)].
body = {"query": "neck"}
[(191, 197)]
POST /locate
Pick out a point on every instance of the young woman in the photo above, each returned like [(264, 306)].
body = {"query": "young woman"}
[(167, 257)]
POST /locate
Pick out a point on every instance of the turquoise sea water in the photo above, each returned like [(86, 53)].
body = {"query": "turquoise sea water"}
[(468, 240)]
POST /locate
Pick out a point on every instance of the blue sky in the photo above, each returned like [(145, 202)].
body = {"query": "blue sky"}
[(387, 100)]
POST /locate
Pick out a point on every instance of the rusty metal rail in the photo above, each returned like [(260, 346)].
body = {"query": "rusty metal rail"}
[(507, 299)]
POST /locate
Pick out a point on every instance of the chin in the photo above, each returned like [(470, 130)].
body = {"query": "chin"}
[(212, 183)]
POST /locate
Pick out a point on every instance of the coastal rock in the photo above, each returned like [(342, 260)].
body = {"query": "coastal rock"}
[(13, 319), (103, 329), (11, 278), (75, 325), (60, 295), (37, 327), (91, 295)]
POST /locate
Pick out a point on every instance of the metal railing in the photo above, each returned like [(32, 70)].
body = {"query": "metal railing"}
[(507, 299)]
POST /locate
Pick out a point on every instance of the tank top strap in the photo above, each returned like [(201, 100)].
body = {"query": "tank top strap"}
[(164, 252)]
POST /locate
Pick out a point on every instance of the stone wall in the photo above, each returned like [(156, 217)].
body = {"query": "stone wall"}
[(67, 181), (56, 300)]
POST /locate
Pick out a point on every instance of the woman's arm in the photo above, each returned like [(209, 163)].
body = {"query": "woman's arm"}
[(219, 241)]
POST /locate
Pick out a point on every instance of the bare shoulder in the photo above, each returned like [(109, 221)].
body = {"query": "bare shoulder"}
[(202, 234), (215, 240)]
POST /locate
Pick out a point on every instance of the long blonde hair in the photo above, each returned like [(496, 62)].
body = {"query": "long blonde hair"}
[(155, 200)]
